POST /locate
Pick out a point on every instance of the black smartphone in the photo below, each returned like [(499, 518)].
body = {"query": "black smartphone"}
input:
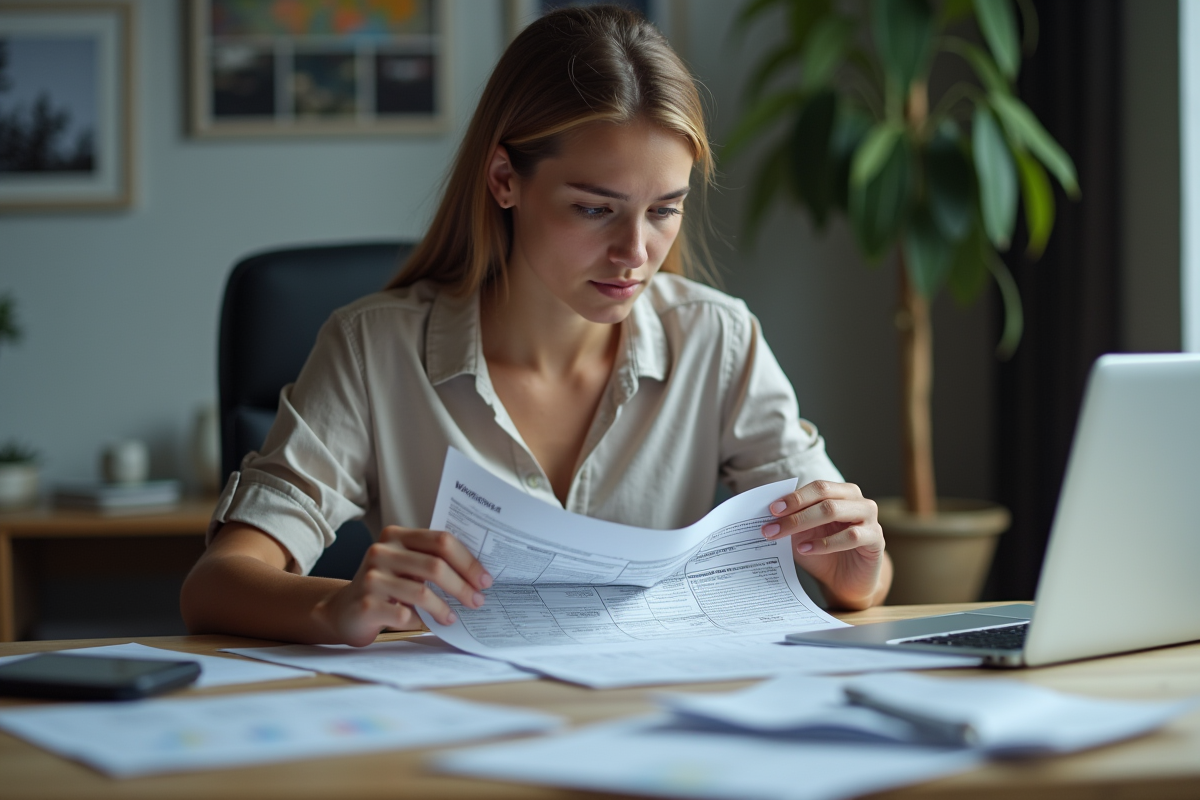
[(93, 677)]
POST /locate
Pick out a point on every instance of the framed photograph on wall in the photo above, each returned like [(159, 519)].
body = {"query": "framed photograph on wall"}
[(313, 67), (66, 122)]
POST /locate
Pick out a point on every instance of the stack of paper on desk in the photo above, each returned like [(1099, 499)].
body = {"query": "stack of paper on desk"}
[(154, 736), (661, 758), (607, 605), (800, 737), (996, 716), (418, 663)]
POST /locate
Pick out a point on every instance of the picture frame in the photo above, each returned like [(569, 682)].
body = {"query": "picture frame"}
[(66, 106), (344, 67)]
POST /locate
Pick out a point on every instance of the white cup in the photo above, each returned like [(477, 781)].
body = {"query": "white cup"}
[(127, 461)]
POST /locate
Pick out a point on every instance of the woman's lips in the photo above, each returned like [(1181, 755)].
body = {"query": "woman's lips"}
[(617, 290)]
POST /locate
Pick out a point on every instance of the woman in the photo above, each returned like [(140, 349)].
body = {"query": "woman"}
[(531, 330)]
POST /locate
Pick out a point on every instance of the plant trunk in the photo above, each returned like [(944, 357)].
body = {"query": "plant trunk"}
[(916, 384), (916, 360)]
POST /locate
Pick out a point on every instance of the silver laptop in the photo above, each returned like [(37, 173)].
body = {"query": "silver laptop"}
[(1122, 571)]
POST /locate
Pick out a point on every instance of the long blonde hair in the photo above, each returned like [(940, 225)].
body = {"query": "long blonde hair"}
[(572, 67)]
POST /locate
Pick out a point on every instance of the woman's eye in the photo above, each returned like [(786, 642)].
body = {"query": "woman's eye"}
[(666, 212), (591, 212)]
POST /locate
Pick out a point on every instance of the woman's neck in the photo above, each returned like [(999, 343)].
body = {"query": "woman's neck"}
[(528, 328)]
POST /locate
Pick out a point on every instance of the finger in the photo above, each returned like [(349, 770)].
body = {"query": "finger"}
[(825, 512), (852, 537), (382, 586), (424, 567), (450, 549), (814, 492)]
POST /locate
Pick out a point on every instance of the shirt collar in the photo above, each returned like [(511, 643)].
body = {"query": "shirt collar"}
[(454, 346)]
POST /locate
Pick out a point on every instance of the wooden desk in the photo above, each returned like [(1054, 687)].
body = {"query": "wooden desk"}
[(49, 541), (1163, 765)]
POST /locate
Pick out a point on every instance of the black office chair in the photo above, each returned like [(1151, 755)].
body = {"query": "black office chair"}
[(275, 302)]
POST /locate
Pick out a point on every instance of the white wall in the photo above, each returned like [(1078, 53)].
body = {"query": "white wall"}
[(121, 309)]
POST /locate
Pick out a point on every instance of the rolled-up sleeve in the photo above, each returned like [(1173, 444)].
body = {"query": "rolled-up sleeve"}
[(315, 470), (763, 437)]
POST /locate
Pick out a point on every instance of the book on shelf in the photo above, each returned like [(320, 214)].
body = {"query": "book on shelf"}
[(117, 496)]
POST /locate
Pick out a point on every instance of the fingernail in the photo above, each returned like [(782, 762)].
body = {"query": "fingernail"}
[(477, 598), (485, 580), (451, 618), (778, 507), (770, 530), (805, 548)]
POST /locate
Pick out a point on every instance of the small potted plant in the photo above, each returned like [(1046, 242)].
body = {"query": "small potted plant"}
[(18, 463), (932, 182)]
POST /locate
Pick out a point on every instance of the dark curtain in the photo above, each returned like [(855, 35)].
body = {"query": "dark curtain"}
[(1070, 296)]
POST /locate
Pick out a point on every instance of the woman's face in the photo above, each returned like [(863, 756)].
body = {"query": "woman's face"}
[(593, 224)]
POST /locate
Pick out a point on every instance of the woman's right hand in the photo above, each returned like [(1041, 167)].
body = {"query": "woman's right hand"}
[(390, 585)]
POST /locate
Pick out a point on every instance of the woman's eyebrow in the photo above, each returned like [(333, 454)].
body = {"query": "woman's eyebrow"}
[(591, 188)]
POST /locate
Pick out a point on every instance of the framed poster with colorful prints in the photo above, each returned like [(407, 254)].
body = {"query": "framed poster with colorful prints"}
[(318, 67), (66, 121)]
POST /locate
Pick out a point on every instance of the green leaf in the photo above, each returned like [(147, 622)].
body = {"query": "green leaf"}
[(969, 271), (873, 153), (952, 11), (950, 183), (1024, 128), (812, 162), (927, 253), (879, 206), (826, 49), (1039, 202), (803, 17), (985, 68), (768, 179), (997, 178), (850, 128), (999, 27), (1029, 26), (1014, 315), (903, 31), (758, 120), (766, 69)]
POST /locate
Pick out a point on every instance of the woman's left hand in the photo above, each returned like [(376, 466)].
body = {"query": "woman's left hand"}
[(837, 539)]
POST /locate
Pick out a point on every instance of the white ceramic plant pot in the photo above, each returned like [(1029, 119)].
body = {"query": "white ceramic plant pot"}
[(18, 484)]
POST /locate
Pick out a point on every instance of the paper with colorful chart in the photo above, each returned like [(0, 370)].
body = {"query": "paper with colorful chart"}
[(157, 736)]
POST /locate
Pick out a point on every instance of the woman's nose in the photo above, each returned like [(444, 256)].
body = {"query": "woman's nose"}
[(629, 249)]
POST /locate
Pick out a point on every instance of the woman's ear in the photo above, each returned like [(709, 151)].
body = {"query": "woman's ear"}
[(501, 179)]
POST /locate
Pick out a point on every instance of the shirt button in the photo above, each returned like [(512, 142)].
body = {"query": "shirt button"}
[(533, 481)]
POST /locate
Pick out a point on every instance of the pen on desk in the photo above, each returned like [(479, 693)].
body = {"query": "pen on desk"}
[(959, 734)]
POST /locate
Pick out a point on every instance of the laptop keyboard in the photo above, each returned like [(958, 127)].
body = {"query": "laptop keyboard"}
[(1005, 637)]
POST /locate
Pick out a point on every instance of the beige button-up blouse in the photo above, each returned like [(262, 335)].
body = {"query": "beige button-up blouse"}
[(695, 397)]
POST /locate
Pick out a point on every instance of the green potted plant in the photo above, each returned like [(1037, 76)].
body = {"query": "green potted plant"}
[(18, 464), (935, 182)]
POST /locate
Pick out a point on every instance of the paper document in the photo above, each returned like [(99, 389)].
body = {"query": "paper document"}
[(722, 659), (654, 757), (567, 581), (1005, 717), (214, 670), (154, 736), (417, 663), (1008, 717)]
